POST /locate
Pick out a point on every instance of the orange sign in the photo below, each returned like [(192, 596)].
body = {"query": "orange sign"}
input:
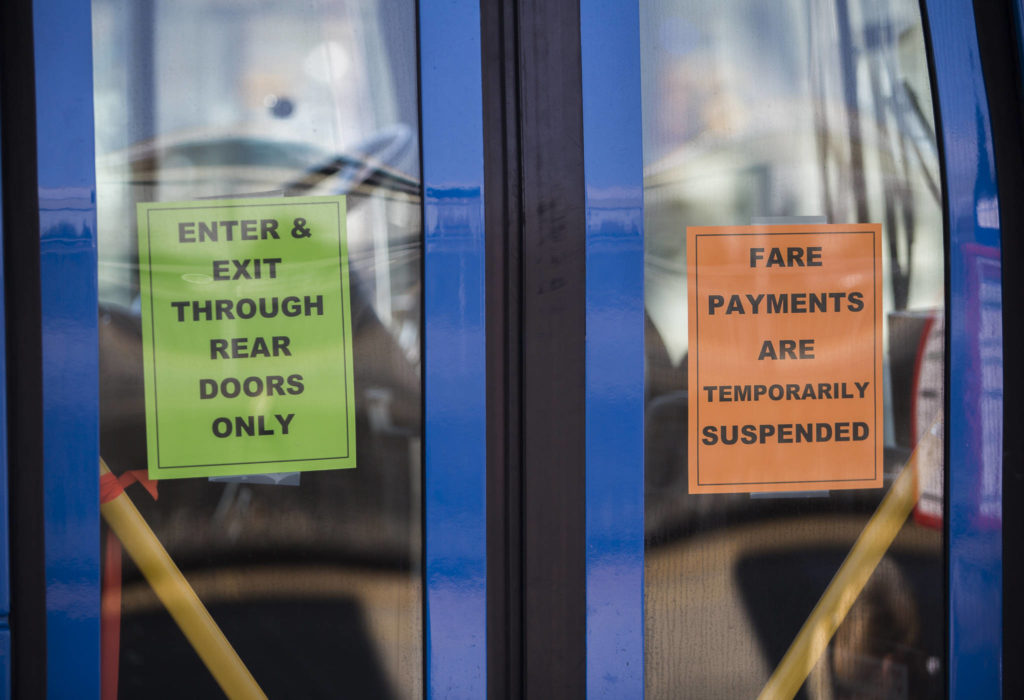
[(785, 365)]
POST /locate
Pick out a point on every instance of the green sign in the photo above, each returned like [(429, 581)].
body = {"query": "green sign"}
[(247, 337)]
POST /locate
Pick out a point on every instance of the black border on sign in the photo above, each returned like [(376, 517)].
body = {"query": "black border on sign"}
[(152, 331), (874, 361)]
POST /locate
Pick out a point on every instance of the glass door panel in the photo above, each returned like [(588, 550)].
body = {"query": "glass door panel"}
[(791, 115), (259, 110)]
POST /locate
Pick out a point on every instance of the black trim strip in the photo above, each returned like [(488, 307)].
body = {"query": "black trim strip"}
[(502, 204), (553, 292), (947, 340), (536, 310), (24, 350)]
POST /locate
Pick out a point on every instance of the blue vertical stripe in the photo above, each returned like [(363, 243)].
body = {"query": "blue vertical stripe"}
[(454, 354), (5, 661), (613, 157), (975, 356), (67, 212)]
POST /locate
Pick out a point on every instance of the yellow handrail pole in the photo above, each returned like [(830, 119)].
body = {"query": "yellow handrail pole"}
[(178, 597), (846, 585)]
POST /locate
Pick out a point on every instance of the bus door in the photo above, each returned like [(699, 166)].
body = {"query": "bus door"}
[(804, 352), (256, 261)]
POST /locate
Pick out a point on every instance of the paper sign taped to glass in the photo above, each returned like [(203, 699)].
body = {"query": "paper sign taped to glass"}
[(247, 339), (785, 368)]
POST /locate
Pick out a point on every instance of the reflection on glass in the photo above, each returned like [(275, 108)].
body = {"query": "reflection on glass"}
[(790, 112), (314, 578)]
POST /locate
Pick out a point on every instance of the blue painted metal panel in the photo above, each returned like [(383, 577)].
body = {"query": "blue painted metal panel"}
[(5, 560), (5, 661), (975, 356), (454, 354), (613, 157), (67, 203)]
